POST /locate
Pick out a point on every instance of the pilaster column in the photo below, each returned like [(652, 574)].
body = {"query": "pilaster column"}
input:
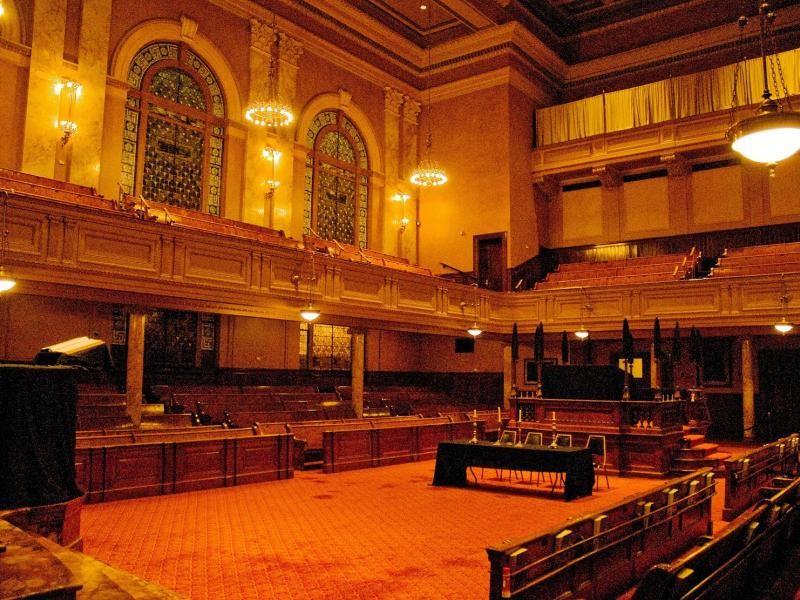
[(41, 139), (748, 402), (611, 180), (392, 236), (409, 156), (357, 370), (134, 379), (90, 109), (258, 207)]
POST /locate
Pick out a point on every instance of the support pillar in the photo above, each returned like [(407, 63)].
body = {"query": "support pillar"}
[(134, 379), (41, 141), (748, 402), (357, 370)]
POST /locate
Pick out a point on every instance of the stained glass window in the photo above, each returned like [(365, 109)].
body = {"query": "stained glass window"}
[(174, 129), (336, 180), (324, 347)]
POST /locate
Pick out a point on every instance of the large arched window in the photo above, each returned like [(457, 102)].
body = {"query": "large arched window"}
[(174, 129), (337, 180)]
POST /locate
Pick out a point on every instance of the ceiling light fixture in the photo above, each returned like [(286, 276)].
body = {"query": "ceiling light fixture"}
[(307, 313), (428, 173), (773, 133), (582, 333), (474, 330), (783, 326), (270, 110)]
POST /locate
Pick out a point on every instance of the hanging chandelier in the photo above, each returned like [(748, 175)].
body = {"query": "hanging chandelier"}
[(428, 173), (784, 326), (773, 133), (270, 110)]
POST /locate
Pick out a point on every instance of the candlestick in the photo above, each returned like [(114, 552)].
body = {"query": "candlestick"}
[(474, 439), (519, 416), (499, 414)]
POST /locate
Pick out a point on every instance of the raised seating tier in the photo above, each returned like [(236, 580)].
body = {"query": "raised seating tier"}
[(746, 475), (603, 554), (730, 564), (768, 259)]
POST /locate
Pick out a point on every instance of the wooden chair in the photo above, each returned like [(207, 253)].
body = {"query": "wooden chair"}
[(563, 440), (508, 438), (534, 438), (597, 446)]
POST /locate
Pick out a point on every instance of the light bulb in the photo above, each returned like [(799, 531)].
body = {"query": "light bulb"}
[(309, 313), (582, 333), (783, 326), (475, 331)]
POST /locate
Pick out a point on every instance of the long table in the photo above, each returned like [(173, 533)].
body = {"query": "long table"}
[(453, 459)]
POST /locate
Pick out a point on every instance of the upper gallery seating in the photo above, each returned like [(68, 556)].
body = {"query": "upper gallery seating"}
[(759, 260), (629, 271), (355, 254)]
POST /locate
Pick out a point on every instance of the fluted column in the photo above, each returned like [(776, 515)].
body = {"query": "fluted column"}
[(357, 370), (271, 210), (748, 397), (134, 379), (41, 141), (392, 208), (409, 156), (92, 64)]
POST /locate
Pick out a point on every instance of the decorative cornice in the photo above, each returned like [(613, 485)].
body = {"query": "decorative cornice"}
[(188, 28), (291, 49)]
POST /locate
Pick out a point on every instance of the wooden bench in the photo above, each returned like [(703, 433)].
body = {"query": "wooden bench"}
[(728, 565), (388, 443), (746, 475), (159, 464), (603, 554)]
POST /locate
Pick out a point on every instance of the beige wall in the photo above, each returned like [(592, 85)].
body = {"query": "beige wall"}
[(29, 323), (474, 151), (728, 197), (12, 110), (252, 343)]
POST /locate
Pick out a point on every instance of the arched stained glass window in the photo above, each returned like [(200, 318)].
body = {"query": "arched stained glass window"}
[(174, 129), (336, 180)]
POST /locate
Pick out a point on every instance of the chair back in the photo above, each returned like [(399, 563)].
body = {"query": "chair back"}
[(534, 438), (564, 440), (509, 437), (597, 445)]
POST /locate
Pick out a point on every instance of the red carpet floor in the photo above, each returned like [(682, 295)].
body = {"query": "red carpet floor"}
[(375, 533)]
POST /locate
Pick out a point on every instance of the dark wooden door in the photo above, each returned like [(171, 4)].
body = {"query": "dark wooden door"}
[(777, 405), (490, 259)]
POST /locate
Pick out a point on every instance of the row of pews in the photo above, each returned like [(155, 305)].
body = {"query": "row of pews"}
[(659, 545), (650, 269), (758, 260)]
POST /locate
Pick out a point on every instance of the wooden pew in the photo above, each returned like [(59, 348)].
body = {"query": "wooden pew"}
[(729, 564), (159, 464), (746, 475), (603, 554), (389, 442)]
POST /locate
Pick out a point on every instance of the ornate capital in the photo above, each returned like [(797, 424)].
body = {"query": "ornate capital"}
[(609, 176), (291, 49), (392, 99), (677, 165), (260, 35), (411, 109)]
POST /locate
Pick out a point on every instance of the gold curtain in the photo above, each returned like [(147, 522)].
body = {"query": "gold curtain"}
[(677, 98)]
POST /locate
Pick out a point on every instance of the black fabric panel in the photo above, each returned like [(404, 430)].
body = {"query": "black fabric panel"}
[(38, 417)]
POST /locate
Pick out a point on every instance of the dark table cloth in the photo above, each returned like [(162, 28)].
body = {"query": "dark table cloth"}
[(37, 435), (453, 459)]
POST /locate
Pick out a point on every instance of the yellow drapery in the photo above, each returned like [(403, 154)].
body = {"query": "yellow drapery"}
[(651, 103)]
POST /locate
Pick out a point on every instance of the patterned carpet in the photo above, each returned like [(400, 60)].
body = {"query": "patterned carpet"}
[(375, 533)]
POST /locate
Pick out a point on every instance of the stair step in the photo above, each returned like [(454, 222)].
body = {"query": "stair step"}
[(694, 438), (698, 451), (719, 456)]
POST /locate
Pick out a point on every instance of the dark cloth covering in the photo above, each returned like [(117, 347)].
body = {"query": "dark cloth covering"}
[(38, 416)]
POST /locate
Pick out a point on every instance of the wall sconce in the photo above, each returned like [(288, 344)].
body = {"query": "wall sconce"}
[(308, 312), (2, 10), (68, 92), (272, 155), (474, 331), (404, 220), (6, 281), (582, 333), (783, 326)]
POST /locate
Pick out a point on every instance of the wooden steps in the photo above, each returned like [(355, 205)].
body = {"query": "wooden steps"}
[(696, 453)]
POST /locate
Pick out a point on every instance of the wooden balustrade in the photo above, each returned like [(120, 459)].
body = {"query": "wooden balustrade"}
[(746, 475), (603, 554)]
